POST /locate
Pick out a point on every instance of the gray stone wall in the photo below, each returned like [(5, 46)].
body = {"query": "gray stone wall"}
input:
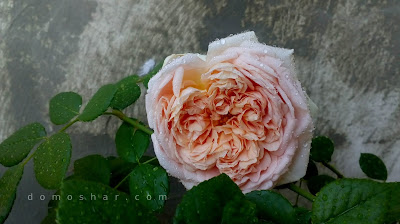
[(347, 55)]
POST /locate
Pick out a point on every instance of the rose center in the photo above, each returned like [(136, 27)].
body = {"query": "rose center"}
[(222, 119)]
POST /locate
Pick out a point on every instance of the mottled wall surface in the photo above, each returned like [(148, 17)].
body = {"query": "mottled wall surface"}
[(347, 55)]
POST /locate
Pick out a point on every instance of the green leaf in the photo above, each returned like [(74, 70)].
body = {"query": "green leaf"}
[(16, 147), (50, 218), (53, 203), (303, 215), (204, 203), (121, 168), (150, 75), (93, 168), (8, 190), (131, 143), (127, 93), (51, 160), (272, 206), (52, 206), (393, 203), (64, 106), (239, 211), (99, 103), (315, 183), (357, 201), (149, 185), (321, 149), (89, 202), (373, 166), (312, 170)]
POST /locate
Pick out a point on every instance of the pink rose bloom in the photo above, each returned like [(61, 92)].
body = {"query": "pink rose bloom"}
[(239, 110)]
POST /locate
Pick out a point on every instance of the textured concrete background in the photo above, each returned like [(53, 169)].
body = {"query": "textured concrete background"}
[(347, 54)]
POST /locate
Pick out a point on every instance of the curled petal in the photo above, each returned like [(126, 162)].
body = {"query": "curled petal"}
[(239, 110)]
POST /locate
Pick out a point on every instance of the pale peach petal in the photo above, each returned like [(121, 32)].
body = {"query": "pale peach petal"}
[(239, 110), (217, 48), (177, 81)]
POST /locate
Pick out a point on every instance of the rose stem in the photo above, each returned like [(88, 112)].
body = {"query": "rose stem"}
[(129, 174), (333, 169), (302, 192), (297, 197), (119, 184), (130, 121), (68, 125), (150, 160)]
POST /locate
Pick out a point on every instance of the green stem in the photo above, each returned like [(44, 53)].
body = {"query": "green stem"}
[(302, 192), (123, 180), (333, 169), (61, 130), (68, 125), (129, 174), (297, 197), (128, 120), (27, 159), (150, 160)]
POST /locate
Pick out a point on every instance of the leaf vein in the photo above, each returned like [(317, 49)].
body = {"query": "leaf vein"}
[(65, 107), (357, 205), (21, 141)]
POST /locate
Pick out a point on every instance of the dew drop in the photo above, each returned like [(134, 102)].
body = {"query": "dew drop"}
[(222, 41)]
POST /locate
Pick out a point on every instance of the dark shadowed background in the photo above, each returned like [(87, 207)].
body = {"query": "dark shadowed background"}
[(347, 55)]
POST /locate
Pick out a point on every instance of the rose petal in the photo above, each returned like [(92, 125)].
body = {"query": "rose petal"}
[(239, 110)]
